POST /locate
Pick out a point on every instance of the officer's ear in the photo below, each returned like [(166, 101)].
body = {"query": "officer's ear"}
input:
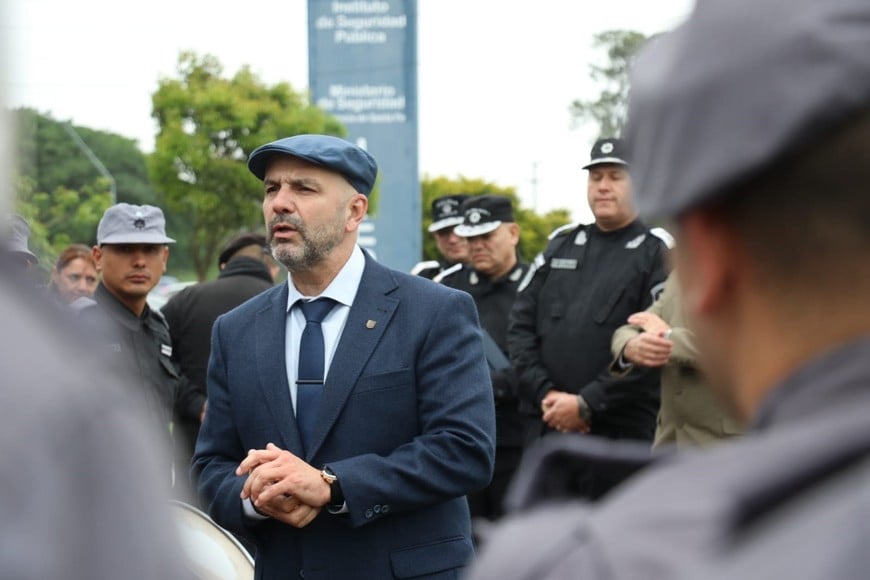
[(708, 262), (514, 231), (97, 253)]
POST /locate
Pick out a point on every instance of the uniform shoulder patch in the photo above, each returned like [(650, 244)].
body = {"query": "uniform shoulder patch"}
[(447, 272), (424, 265), (562, 230), (665, 236)]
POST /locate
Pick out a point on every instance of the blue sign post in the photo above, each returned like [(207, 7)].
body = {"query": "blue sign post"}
[(362, 63)]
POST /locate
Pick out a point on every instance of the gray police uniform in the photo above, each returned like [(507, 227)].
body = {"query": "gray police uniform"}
[(699, 511), (585, 285), (140, 348)]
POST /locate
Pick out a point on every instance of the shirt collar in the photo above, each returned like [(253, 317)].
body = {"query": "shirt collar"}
[(343, 287)]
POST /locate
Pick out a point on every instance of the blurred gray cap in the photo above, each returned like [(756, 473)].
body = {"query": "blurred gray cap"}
[(133, 224), (740, 85), (17, 234)]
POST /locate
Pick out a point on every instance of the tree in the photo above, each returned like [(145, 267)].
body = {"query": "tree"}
[(48, 155), (208, 125), (62, 217), (534, 228), (608, 111), (59, 191)]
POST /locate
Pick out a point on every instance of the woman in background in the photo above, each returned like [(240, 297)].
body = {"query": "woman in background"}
[(74, 275)]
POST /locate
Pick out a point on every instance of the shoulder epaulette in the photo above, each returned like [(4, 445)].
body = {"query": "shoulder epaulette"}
[(443, 274), (664, 235), (563, 230), (424, 265)]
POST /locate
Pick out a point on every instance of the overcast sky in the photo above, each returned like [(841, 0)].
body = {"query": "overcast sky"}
[(495, 78)]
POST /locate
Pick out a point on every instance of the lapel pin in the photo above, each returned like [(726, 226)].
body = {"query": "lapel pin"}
[(371, 324)]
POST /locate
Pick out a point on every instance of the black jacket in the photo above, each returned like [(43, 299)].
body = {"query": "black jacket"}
[(586, 284), (494, 299), (191, 312)]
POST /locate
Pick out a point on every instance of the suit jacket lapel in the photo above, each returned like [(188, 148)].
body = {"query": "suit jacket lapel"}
[(367, 320), (270, 332)]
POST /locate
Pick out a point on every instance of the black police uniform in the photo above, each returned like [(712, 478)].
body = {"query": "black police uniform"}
[(430, 268), (140, 350), (494, 299), (583, 287)]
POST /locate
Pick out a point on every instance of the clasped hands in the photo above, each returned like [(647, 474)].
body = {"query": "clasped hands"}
[(561, 411), (282, 486), (650, 348)]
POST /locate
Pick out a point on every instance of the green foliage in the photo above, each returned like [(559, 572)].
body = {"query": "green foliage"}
[(608, 111), (62, 217), (47, 154), (534, 227), (208, 125), (59, 190)]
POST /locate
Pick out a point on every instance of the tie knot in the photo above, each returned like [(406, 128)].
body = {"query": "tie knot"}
[(316, 310)]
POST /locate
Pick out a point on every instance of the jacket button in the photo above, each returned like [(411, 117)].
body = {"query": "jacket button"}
[(377, 509), (385, 509), (301, 573), (369, 514)]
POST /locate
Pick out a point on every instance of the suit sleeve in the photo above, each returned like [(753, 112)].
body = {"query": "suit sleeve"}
[(454, 453), (524, 343), (626, 332)]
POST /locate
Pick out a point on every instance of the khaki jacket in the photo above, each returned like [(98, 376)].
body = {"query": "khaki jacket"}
[(689, 415)]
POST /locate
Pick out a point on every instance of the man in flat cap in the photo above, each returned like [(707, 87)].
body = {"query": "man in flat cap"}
[(446, 215), (246, 268), (131, 254), (492, 278), (350, 410), (768, 191), (585, 284)]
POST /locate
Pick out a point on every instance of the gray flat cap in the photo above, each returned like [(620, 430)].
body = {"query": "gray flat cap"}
[(132, 224), (738, 86), (354, 163), (17, 235)]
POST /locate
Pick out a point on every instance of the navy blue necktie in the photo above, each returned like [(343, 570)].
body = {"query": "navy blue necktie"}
[(309, 378)]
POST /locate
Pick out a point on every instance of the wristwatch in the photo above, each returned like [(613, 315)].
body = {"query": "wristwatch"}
[(336, 497), (584, 410)]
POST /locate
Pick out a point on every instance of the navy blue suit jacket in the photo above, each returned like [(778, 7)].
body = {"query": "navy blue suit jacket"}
[(406, 423)]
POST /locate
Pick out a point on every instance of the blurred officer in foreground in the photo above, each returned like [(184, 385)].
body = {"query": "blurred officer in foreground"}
[(492, 279), (131, 254), (772, 228), (586, 283), (659, 337), (246, 269), (80, 495), (446, 215)]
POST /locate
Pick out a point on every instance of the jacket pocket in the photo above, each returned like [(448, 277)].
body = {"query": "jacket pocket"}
[(604, 313), (432, 558), (381, 381)]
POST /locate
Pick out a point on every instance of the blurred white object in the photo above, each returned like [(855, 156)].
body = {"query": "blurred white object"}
[(213, 553)]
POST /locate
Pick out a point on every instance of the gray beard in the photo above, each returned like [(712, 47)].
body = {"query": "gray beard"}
[(315, 245)]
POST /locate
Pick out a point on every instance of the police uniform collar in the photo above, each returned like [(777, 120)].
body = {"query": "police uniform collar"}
[(116, 309)]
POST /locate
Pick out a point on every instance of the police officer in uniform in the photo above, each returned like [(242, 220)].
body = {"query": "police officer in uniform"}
[(584, 285), (446, 215), (492, 278), (131, 254), (772, 221)]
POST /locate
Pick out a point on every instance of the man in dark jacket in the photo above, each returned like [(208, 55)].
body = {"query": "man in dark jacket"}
[(247, 268), (586, 283)]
